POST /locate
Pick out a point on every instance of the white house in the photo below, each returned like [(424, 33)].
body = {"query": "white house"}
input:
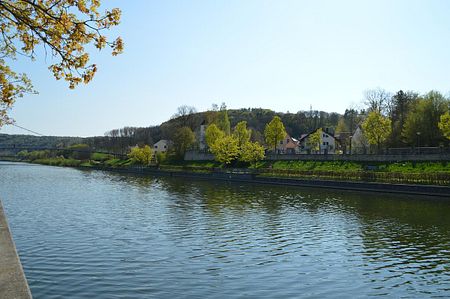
[(359, 142), (327, 142), (201, 136), (162, 146)]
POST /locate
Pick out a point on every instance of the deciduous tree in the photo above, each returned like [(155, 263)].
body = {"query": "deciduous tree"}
[(223, 122), (377, 100), (225, 149), (184, 138), (274, 132), (424, 117), (63, 28), (376, 128), (251, 152), (241, 133), (444, 124), (142, 155), (313, 140), (185, 116), (212, 134)]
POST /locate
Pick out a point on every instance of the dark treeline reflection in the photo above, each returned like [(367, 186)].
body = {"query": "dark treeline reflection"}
[(94, 234), (381, 216)]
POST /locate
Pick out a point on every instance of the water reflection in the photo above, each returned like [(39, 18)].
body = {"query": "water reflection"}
[(400, 237), (98, 234)]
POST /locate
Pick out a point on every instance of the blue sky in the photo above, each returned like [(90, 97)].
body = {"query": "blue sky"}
[(281, 55)]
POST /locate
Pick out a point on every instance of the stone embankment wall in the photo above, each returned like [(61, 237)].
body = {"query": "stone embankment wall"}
[(13, 283)]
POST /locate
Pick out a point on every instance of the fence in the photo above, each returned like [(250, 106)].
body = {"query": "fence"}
[(398, 156), (427, 178), (431, 178)]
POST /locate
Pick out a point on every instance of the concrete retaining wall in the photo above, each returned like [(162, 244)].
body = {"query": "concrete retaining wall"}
[(363, 158), (198, 156), (13, 284)]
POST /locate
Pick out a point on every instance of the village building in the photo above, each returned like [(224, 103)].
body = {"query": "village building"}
[(201, 136), (288, 145), (343, 142), (359, 143), (327, 144), (162, 146)]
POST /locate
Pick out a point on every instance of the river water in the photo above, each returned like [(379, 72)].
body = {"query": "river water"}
[(93, 234)]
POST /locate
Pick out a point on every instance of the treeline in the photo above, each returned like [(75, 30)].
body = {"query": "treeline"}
[(187, 116), (413, 119), (38, 141)]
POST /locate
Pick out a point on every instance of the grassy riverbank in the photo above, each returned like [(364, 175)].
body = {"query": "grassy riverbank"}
[(427, 173)]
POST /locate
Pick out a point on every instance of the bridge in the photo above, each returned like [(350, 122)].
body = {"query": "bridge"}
[(12, 150)]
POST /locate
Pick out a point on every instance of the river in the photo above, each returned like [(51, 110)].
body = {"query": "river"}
[(94, 234)]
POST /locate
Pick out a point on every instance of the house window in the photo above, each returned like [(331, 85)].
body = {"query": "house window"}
[(281, 142), (165, 146), (287, 140), (156, 146), (324, 143)]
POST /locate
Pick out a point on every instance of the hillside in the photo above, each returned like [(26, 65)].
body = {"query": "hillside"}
[(118, 139), (38, 141)]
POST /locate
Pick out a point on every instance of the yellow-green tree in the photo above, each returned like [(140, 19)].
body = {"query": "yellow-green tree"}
[(251, 152), (142, 155), (444, 124), (212, 134), (183, 139), (241, 133), (274, 132), (376, 128), (64, 28), (225, 149), (222, 121), (313, 140)]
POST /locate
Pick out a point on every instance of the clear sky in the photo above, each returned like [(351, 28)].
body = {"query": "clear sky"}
[(281, 55)]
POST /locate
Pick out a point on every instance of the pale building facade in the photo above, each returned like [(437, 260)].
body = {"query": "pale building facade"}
[(162, 146)]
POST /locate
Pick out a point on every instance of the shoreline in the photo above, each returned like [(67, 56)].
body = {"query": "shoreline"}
[(245, 176), (410, 189)]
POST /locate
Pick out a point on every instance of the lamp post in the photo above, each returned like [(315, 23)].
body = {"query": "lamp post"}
[(418, 142)]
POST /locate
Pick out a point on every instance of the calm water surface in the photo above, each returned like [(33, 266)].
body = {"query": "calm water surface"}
[(91, 234)]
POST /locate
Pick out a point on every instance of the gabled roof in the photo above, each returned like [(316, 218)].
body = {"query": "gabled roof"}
[(164, 140), (306, 135)]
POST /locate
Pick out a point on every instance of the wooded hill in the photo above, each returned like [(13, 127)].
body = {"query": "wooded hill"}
[(118, 139), (412, 120)]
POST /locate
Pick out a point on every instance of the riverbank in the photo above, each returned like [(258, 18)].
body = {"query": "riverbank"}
[(13, 283), (345, 177), (240, 175)]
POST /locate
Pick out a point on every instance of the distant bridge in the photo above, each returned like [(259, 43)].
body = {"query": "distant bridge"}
[(13, 150)]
